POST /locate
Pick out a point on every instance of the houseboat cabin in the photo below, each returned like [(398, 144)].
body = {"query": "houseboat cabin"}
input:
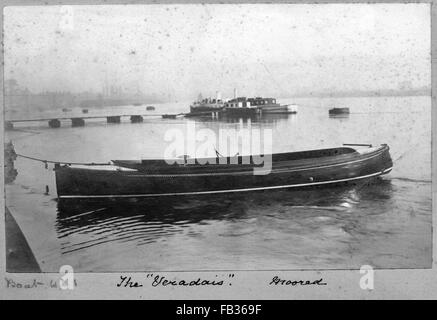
[(240, 102), (258, 101)]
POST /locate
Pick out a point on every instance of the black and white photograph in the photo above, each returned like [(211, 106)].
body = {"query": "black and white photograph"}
[(213, 137)]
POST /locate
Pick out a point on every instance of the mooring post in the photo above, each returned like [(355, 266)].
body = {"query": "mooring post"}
[(136, 119), (9, 158), (113, 119), (9, 125), (54, 123), (77, 122)]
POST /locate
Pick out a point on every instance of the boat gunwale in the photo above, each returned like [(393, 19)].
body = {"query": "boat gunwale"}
[(357, 157), (229, 163)]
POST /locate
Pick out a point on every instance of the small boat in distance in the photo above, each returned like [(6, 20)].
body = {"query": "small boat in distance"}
[(158, 178), (336, 111), (66, 110), (150, 108), (84, 110)]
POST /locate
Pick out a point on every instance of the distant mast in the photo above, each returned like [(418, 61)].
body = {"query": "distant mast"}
[(235, 93)]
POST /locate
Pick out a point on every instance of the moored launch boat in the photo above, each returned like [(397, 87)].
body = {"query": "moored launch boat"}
[(157, 178), (338, 111)]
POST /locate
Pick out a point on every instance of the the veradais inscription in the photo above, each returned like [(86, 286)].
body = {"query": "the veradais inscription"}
[(157, 280)]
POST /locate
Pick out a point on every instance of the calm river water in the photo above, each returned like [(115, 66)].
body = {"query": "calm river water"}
[(386, 224)]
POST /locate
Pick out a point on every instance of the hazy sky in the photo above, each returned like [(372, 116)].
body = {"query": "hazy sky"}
[(177, 51)]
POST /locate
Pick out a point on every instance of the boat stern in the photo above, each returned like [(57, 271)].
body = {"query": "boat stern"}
[(386, 159)]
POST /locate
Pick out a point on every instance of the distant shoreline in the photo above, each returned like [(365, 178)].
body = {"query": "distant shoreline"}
[(364, 94)]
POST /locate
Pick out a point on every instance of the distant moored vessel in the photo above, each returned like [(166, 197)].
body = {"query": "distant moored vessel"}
[(257, 105), (335, 111), (207, 105), (239, 106)]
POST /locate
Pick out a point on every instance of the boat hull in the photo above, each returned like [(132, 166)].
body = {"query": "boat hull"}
[(277, 109), (336, 111), (241, 112), (89, 183)]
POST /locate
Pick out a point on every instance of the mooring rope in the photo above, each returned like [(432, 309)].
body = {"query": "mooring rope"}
[(65, 162)]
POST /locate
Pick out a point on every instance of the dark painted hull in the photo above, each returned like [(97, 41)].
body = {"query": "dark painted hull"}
[(182, 180), (335, 111), (274, 108), (240, 112), (202, 109)]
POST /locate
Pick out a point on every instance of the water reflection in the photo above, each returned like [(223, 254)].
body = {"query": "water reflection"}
[(254, 118), (82, 224), (344, 116)]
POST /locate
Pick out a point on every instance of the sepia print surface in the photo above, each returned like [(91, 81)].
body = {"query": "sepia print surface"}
[(175, 137)]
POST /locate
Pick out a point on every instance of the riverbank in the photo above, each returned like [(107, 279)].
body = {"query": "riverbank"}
[(19, 256)]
